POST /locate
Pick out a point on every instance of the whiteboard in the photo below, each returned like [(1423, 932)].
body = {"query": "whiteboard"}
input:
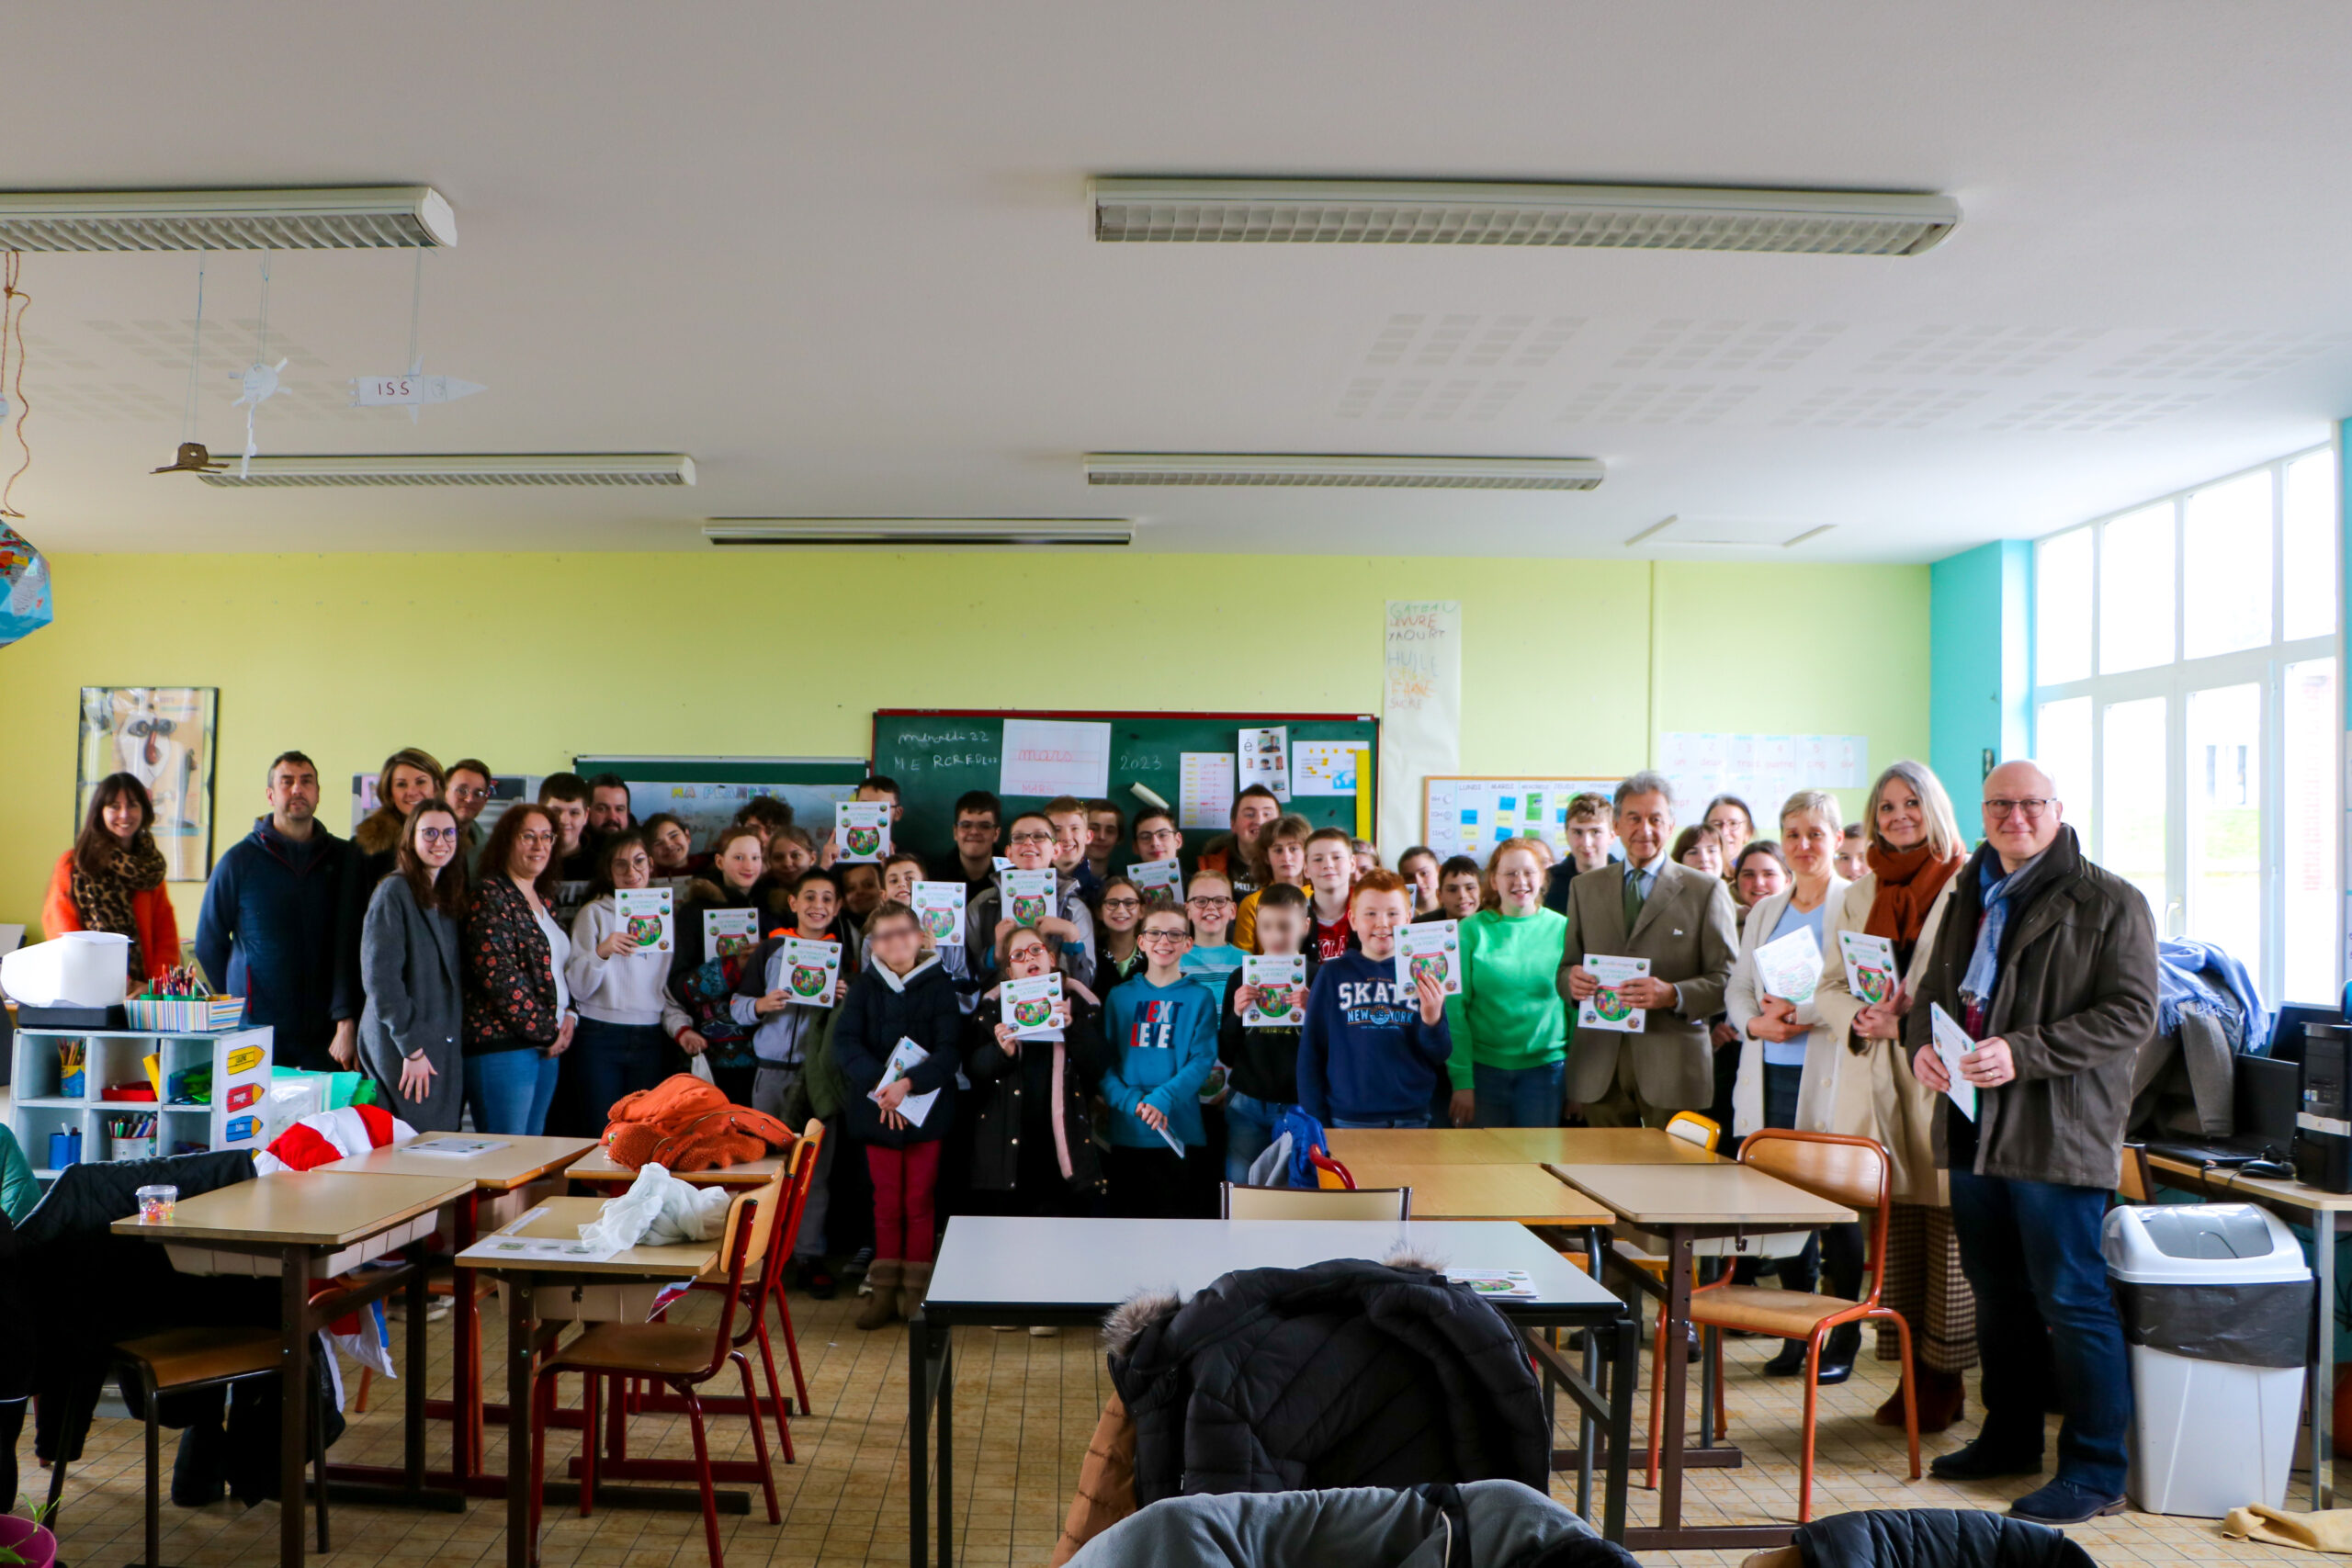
[(1470, 816)]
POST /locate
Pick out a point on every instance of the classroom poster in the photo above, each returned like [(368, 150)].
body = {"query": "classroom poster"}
[(1472, 816), (1028, 895), (1788, 967), (1607, 1007), (939, 910), (1029, 1006), (1205, 790), (727, 933), (811, 970), (1265, 760), (1154, 878), (1323, 767), (861, 831), (1055, 756), (1421, 729), (1431, 946), (645, 914), (1277, 976), (1761, 769)]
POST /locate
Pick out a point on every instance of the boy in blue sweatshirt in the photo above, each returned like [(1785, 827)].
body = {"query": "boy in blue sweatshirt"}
[(1372, 1051), (1161, 1027)]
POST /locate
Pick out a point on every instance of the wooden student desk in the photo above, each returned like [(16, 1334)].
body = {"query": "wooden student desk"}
[(599, 1168), (1684, 1203), (1600, 1146), (1415, 1146), (1525, 1194), (527, 1335), (522, 1161), (303, 1219)]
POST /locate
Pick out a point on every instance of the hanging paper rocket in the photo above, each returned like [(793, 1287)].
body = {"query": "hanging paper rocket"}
[(25, 604), (410, 391), (260, 382)]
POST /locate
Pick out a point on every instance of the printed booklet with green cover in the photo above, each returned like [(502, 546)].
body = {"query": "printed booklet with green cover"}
[(645, 914), (1029, 1006), (1431, 946), (1153, 877), (1276, 975), (1028, 895), (728, 934), (812, 970), (1607, 1007), (939, 910), (862, 830)]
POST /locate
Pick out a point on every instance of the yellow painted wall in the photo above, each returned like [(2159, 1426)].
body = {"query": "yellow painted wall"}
[(526, 659)]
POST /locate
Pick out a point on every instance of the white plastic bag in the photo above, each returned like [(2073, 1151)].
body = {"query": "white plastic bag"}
[(658, 1210)]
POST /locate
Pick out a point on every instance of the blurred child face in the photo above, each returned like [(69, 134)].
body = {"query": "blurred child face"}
[(898, 942), (1027, 957), (899, 881), (1122, 907), (814, 904), (861, 887), (1287, 857), (1330, 866), (1281, 929), (790, 857), (1458, 896)]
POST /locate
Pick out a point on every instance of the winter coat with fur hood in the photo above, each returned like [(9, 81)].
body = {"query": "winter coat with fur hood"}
[(1345, 1374)]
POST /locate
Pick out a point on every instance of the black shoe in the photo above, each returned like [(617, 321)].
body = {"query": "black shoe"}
[(1790, 1362), (1978, 1463), (819, 1283), (1833, 1371), (2064, 1502)]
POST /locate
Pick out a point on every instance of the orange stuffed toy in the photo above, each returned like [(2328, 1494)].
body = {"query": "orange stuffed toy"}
[(686, 1124)]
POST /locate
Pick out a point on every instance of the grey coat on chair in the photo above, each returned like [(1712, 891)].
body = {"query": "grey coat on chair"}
[(408, 955)]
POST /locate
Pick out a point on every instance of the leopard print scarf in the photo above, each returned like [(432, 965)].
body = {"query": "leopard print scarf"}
[(104, 901)]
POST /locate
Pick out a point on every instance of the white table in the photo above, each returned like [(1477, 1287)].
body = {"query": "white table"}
[(1065, 1272)]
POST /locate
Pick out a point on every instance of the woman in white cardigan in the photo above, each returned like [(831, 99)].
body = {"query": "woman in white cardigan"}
[(1915, 848), (1785, 1051)]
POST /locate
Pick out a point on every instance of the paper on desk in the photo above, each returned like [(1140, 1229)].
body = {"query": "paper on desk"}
[(1508, 1282), (504, 1244), (452, 1147), (1952, 1044)]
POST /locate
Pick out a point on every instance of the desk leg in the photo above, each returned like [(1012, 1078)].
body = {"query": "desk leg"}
[(465, 1393), (418, 1353), (522, 1476), (293, 1400), (1594, 1242), (919, 1440), (947, 1482), (1674, 1377), (1622, 1379), (2323, 1361)]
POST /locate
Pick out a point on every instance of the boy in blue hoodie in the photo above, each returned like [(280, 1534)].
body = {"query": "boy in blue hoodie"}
[(1372, 1051), (1160, 1026)]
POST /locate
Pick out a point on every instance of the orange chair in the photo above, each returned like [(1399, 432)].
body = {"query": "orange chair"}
[(1330, 1173), (1849, 1171), (684, 1359)]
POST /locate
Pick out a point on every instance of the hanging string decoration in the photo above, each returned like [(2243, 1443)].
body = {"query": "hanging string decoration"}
[(193, 457), (13, 303), (260, 378), (415, 388)]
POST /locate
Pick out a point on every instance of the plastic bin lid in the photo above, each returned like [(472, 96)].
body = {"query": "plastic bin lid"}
[(2201, 1243)]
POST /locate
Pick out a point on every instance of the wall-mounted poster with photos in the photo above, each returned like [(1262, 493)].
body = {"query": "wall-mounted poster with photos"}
[(161, 735)]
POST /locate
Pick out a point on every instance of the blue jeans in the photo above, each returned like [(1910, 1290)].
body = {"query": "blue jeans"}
[(613, 1059), (2031, 1251), (1249, 1133), (508, 1091), (1421, 1120), (1520, 1096)]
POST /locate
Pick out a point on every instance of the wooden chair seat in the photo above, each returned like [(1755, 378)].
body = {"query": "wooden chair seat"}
[(651, 1349), (179, 1358), (1792, 1315)]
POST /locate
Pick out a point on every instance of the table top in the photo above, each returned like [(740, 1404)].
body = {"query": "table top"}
[(1660, 1195), (311, 1208), (561, 1219), (1527, 1194), (598, 1165), (498, 1170), (2288, 1193), (1417, 1145), (1006, 1264), (1600, 1145)]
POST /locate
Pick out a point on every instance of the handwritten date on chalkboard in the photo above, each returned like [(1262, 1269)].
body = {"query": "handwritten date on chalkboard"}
[(1140, 762), (921, 738)]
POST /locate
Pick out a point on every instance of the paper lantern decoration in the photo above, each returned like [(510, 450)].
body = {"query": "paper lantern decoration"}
[(25, 606)]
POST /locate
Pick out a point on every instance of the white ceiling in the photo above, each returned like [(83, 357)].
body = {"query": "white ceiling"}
[(840, 254)]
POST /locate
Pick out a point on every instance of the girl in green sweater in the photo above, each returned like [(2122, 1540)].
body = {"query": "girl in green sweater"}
[(1510, 1027)]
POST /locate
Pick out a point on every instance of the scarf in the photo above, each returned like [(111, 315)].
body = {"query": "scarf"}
[(104, 901), (1984, 960), (1908, 881)]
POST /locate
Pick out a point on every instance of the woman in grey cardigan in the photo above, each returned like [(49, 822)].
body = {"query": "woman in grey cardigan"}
[(411, 1034)]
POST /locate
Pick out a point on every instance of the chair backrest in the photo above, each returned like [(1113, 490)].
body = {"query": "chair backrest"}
[(1320, 1203), (750, 1226), (1329, 1173), (1844, 1169), (2134, 1184), (1693, 1128), (799, 1177)]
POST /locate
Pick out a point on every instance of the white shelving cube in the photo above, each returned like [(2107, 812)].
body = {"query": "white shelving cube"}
[(239, 1060)]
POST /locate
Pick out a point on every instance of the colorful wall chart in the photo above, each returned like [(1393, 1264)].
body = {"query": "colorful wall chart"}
[(1471, 815), (1762, 770)]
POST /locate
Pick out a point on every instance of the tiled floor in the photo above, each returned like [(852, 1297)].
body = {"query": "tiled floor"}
[(1024, 1410)]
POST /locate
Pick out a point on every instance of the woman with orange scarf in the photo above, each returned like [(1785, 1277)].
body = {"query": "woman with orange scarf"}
[(1915, 848)]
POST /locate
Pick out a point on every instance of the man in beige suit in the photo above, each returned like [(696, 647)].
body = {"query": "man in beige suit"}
[(1678, 919)]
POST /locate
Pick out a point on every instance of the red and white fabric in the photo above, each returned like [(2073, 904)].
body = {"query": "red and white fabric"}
[(329, 1135)]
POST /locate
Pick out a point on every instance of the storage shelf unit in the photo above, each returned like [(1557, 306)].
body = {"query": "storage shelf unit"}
[(239, 1060)]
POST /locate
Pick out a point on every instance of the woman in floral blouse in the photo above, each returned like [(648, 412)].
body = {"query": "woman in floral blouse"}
[(518, 1010)]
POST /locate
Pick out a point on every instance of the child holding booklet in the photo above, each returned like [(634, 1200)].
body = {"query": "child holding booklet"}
[(1285, 849), (1162, 1037), (1263, 1058), (619, 986), (704, 981), (904, 998), (1119, 914), (1371, 1048), (1331, 872), (788, 1024), (1510, 1028), (1067, 921), (1208, 902), (1157, 838), (1032, 1152)]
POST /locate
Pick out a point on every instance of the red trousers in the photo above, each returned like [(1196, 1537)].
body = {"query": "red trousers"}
[(904, 1180)]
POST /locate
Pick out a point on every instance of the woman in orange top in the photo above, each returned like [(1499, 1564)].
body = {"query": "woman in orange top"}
[(112, 879)]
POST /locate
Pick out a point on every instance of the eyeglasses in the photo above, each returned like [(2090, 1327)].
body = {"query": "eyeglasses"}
[(1122, 905), (2030, 809), (534, 836), (437, 835), (1032, 837), (1165, 936), (1210, 903)]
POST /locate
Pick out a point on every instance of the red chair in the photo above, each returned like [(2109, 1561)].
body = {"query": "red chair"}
[(682, 1358), (1329, 1173)]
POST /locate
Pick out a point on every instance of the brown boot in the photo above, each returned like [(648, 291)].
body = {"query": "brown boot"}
[(1942, 1398), (881, 1308), (916, 1283)]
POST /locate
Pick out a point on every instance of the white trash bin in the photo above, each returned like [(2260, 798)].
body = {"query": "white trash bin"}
[(2216, 1302)]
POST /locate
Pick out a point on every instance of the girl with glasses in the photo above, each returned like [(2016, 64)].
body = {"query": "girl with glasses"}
[(1120, 914), (1209, 905), (412, 1030), (410, 776), (518, 1004), (1161, 1033)]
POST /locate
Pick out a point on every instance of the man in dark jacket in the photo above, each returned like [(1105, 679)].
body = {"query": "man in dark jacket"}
[(267, 931), (2048, 964)]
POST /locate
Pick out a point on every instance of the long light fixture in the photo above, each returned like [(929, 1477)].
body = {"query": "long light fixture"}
[(1361, 472), (922, 533), (1454, 213), (463, 469), (343, 217)]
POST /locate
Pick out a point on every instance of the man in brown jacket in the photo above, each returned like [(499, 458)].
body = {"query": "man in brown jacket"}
[(2048, 963), (1678, 919)]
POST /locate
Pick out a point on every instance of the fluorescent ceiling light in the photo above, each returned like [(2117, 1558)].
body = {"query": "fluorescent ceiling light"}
[(922, 533), (1456, 212), (1398, 473), (361, 217), (463, 469)]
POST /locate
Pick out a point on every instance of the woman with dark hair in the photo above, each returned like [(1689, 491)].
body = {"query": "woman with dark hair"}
[(627, 1021), (1733, 824), (409, 777), (112, 879), (412, 1031), (518, 1006)]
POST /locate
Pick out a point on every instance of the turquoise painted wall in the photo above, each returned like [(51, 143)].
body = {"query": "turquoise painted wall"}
[(1980, 661)]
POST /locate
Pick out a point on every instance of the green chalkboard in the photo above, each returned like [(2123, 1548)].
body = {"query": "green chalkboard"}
[(936, 755), (705, 792)]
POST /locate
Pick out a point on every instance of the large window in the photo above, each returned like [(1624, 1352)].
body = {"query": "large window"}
[(2184, 694)]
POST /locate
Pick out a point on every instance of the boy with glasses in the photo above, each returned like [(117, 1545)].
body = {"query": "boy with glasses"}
[(467, 789), (1069, 925), (1156, 835), (1161, 1028)]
